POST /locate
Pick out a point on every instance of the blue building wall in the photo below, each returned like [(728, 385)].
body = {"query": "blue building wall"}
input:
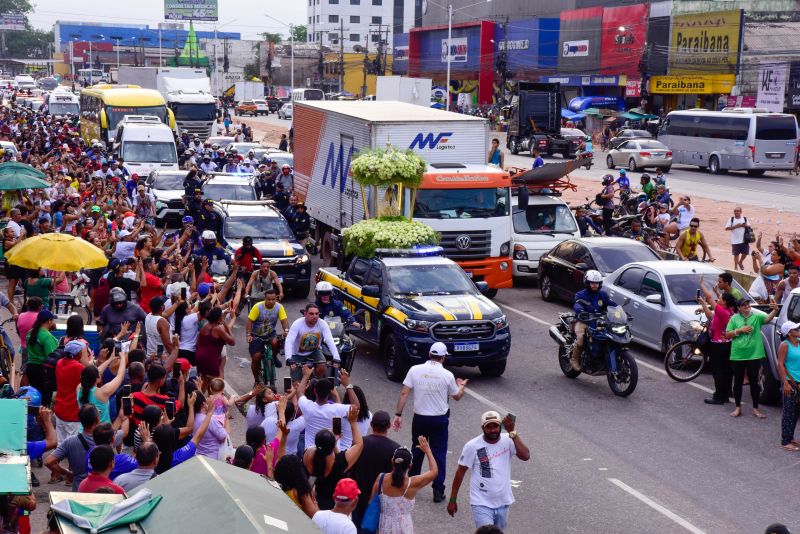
[(133, 34)]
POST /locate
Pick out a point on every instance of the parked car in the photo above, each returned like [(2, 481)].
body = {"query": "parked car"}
[(627, 135), (274, 104), (262, 108), (639, 154), (282, 158), (286, 111), (561, 270), (246, 107), (243, 148), (47, 83)]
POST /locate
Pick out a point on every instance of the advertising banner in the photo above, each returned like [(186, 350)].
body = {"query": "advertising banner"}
[(580, 41), (458, 50), (741, 102), (12, 21), (203, 10), (623, 39), (771, 86), (586, 81), (633, 89), (400, 53), (427, 51), (709, 84), (793, 89), (530, 45), (706, 42)]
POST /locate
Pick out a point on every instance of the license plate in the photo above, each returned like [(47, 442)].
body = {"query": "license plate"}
[(280, 279), (466, 347), (775, 155)]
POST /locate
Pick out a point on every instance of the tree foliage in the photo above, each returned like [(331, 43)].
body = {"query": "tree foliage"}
[(300, 33)]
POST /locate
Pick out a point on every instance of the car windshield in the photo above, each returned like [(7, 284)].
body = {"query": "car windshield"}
[(115, 113), (652, 145), (257, 228), (282, 159), (609, 259), (166, 182), (683, 287), (444, 279), (148, 151), (461, 203), (195, 112), (242, 148), (793, 313), (544, 219), (229, 192), (62, 108), (638, 133)]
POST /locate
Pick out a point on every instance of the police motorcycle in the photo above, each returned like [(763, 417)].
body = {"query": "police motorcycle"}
[(605, 349), (344, 341)]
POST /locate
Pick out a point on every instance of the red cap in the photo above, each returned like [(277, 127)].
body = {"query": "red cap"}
[(346, 490), (185, 365)]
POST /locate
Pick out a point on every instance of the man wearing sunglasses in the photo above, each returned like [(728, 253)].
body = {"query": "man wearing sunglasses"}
[(688, 241)]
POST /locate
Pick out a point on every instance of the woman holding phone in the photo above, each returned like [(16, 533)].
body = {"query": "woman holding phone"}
[(719, 313)]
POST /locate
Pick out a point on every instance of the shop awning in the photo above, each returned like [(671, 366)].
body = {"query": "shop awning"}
[(630, 115), (571, 115)]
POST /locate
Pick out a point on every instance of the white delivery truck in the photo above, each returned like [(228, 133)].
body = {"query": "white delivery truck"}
[(187, 92), (146, 144), (411, 90), (248, 91), (461, 197), (61, 102)]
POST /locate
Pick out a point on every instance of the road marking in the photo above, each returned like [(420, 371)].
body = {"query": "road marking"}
[(657, 507), (638, 360), (483, 400)]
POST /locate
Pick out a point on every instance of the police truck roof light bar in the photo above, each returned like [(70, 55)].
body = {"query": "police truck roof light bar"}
[(418, 252)]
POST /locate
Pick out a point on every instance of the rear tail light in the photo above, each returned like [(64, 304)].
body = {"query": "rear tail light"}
[(752, 151), (542, 142), (644, 154), (669, 154)]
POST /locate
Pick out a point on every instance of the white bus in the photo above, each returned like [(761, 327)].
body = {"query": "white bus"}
[(91, 76), (300, 95), (735, 139)]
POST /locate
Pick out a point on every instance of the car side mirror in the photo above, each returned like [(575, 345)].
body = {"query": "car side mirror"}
[(581, 266), (523, 197), (654, 299), (371, 291), (483, 287)]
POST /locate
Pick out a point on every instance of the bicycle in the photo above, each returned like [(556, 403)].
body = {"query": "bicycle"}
[(267, 374), (686, 359), (6, 354)]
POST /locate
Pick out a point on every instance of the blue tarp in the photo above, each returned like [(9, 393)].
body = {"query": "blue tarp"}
[(572, 116)]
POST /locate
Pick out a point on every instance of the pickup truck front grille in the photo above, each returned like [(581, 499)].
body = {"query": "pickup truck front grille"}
[(471, 245), (463, 330)]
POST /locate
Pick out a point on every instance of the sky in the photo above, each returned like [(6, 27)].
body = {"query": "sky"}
[(234, 15)]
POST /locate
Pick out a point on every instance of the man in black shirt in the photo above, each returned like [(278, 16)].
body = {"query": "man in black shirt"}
[(376, 458)]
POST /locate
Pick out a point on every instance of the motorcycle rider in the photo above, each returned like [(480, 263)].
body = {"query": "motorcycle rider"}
[(647, 186), (592, 299), (210, 249), (330, 307), (605, 199)]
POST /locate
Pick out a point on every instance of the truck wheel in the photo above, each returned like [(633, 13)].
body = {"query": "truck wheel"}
[(394, 363), (609, 162), (513, 147), (326, 250), (493, 369), (770, 388), (491, 293)]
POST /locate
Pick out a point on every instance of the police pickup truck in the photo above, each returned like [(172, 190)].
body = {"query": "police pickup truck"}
[(413, 298)]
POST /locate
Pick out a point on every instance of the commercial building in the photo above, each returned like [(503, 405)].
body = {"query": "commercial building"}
[(360, 24)]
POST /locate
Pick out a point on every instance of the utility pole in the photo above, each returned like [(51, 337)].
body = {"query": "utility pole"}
[(366, 64), (341, 54)]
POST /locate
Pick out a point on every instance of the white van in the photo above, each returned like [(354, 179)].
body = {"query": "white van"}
[(545, 223), (146, 144), (301, 95), (24, 82)]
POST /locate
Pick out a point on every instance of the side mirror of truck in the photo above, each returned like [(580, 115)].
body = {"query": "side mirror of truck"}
[(371, 291), (523, 196), (483, 287)]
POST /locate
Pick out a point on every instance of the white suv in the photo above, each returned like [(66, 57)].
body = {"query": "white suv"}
[(262, 108)]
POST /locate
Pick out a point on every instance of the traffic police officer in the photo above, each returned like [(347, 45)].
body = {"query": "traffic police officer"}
[(300, 222)]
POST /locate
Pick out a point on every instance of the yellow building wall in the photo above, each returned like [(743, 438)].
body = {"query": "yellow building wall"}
[(354, 71), (59, 67)]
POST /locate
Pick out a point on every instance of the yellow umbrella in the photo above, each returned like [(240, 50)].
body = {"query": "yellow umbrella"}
[(58, 252)]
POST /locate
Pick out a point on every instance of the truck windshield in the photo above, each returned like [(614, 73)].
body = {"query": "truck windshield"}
[(257, 228), (429, 280), (150, 152), (544, 219), (461, 203), (62, 108), (194, 112)]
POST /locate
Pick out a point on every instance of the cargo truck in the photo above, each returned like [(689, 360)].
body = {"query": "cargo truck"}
[(461, 197), (186, 90)]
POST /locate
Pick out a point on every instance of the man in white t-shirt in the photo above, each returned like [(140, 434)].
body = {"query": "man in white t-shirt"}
[(319, 414), (304, 340), (337, 521), (739, 247), (488, 456), (433, 385), (683, 213)]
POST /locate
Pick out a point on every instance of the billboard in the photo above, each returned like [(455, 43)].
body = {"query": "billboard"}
[(771, 86), (706, 42), (458, 50), (400, 53), (432, 50), (580, 41), (12, 21), (530, 45), (623, 39), (205, 10)]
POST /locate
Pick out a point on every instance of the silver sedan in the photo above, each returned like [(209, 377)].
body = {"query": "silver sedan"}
[(639, 154)]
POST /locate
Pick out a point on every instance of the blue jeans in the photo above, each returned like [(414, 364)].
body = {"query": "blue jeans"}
[(483, 515), (434, 428)]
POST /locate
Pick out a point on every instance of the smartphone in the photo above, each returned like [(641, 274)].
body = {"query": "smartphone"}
[(127, 406), (169, 407), (125, 346), (697, 295), (512, 417), (337, 426), (33, 410), (176, 370), (183, 293), (117, 347), (772, 299), (332, 380), (287, 383), (126, 390)]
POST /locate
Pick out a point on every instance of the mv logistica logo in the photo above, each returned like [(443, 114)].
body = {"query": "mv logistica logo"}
[(433, 142)]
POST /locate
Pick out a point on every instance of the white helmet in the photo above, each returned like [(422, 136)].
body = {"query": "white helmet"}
[(324, 287), (208, 234), (593, 276)]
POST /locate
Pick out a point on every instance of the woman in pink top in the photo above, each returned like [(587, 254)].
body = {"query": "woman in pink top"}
[(719, 312), (24, 324)]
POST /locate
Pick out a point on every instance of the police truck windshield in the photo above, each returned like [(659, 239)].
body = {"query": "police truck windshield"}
[(429, 280)]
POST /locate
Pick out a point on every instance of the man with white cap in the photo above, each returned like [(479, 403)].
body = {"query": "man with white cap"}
[(433, 385), (488, 456)]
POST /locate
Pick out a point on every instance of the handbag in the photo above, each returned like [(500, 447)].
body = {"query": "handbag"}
[(372, 515), (703, 339)]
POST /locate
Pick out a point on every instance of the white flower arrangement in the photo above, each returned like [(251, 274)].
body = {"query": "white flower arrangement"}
[(386, 166), (363, 238)]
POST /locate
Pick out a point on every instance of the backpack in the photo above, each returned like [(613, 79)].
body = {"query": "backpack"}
[(749, 235)]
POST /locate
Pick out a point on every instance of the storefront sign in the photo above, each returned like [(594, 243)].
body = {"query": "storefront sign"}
[(205, 10), (458, 50), (633, 89), (519, 44), (741, 102), (12, 21), (705, 42), (709, 84), (575, 48), (771, 86), (623, 38), (586, 81)]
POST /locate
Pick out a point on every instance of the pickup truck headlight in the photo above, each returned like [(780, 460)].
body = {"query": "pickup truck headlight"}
[(303, 258), (418, 326), (520, 252), (500, 322)]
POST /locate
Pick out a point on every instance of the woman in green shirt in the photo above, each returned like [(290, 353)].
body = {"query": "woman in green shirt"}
[(40, 342), (38, 285), (747, 351)]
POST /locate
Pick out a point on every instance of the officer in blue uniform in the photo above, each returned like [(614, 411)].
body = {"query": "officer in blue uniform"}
[(592, 299), (330, 307)]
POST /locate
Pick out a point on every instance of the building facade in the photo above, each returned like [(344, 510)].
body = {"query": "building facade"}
[(353, 25)]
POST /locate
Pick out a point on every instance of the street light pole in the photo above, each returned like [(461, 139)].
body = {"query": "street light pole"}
[(291, 38), (449, 51)]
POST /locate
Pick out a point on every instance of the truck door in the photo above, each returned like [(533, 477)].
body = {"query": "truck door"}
[(356, 274), (369, 320)]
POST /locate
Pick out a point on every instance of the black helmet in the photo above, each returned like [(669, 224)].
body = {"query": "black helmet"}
[(608, 179)]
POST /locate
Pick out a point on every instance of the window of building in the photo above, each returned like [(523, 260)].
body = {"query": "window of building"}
[(377, 2), (375, 37), (333, 1), (355, 2), (355, 37), (377, 20), (310, 20), (355, 19), (333, 18), (333, 35)]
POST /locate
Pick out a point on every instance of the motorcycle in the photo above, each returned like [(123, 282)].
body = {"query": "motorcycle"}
[(345, 343), (585, 159), (605, 351)]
